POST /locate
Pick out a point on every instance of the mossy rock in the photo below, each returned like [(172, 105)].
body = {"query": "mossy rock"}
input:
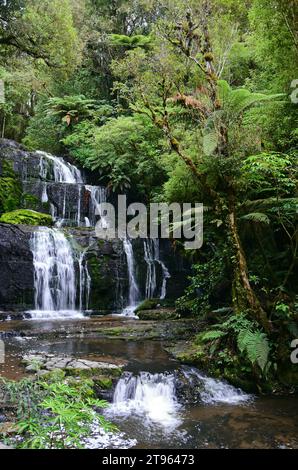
[(161, 314), (92, 372), (152, 304), (27, 217), (103, 382)]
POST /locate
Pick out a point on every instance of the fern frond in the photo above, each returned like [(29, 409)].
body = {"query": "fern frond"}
[(257, 218), (255, 345), (212, 335)]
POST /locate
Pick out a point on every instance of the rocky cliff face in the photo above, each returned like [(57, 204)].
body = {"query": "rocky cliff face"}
[(16, 268), (34, 182), (105, 260)]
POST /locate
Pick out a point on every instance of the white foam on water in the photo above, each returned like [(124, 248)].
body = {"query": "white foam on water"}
[(151, 396)]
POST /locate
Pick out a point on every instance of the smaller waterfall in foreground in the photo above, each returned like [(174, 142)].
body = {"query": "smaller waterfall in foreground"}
[(158, 401), (212, 390), (149, 395), (54, 275), (134, 291)]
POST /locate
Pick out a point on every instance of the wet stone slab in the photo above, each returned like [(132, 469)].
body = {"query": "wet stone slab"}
[(43, 363)]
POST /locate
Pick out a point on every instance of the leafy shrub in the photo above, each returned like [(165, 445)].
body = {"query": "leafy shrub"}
[(56, 413)]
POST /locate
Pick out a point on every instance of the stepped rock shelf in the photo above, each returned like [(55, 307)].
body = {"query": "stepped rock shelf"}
[(66, 270)]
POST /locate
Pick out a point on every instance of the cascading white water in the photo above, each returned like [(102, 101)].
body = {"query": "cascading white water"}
[(152, 257), (134, 291), (85, 282), (63, 172), (151, 269), (54, 275), (215, 390), (98, 196), (150, 395), (60, 171)]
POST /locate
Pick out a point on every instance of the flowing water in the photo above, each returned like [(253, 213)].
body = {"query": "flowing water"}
[(134, 291), (54, 275), (54, 260), (157, 403), (152, 258)]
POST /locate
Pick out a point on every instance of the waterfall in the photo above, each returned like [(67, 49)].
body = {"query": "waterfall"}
[(150, 395), (165, 272), (98, 196), (149, 256), (63, 172), (54, 275), (157, 398), (214, 390), (85, 282), (152, 257), (79, 205), (134, 292)]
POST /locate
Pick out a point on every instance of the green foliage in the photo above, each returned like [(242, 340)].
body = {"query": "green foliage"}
[(255, 345), (237, 101), (57, 413), (26, 217), (71, 108), (10, 194), (212, 335), (270, 174), (257, 218), (137, 40), (126, 153), (207, 277), (238, 331)]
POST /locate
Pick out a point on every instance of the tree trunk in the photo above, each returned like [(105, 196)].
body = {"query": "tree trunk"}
[(244, 298)]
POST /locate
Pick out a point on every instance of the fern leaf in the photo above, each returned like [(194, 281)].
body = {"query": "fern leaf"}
[(256, 347), (212, 335), (257, 218), (210, 142)]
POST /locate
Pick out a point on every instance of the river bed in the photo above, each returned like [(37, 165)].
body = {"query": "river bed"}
[(148, 405)]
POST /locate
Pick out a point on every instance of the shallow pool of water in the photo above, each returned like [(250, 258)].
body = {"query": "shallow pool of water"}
[(149, 410)]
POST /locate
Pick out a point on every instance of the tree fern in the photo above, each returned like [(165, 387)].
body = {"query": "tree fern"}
[(210, 143), (255, 345), (235, 102), (257, 218)]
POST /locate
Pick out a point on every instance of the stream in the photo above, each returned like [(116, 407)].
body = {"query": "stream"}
[(157, 403)]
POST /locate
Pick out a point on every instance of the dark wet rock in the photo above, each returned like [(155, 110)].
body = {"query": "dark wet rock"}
[(16, 268), (24, 163), (159, 314)]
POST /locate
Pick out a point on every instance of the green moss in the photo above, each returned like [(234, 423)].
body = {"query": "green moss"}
[(103, 382), (151, 304), (30, 201), (10, 188), (10, 194), (26, 217), (159, 314), (93, 372)]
